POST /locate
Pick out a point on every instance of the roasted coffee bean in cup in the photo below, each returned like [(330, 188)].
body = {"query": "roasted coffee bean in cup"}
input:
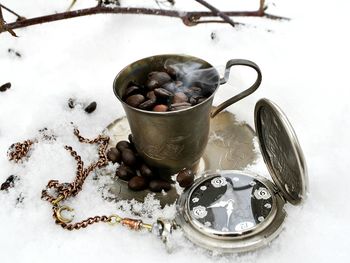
[(171, 85)]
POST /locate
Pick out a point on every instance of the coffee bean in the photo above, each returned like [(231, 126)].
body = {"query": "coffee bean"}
[(196, 98), (185, 178), (125, 173), (160, 77), (146, 171), (132, 90), (201, 100), (130, 138), (148, 104), (137, 183), (135, 100), (163, 93), (170, 86), (114, 155), (9, 183), (160, 108), (180, 104), (91, 107), (195, 90), (5, 87), (152, 84), (180, 108), (129, 158), (71, 103), (151, 95), (158, 185), (171, 70), (178, 84), (5, 186), (193, 101), (123, 145), (180, 97)]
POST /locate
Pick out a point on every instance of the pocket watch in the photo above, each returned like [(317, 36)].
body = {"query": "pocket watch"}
[(235, 211)]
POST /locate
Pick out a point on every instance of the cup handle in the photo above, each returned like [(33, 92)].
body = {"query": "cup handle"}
[(243, 94)]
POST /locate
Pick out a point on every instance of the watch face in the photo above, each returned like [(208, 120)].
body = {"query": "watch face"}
[(229, 204)]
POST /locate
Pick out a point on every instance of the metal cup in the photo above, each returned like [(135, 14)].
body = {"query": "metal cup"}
[(171, 141)]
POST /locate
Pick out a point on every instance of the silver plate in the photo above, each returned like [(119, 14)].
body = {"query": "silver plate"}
[(281, 151), (230, 147)]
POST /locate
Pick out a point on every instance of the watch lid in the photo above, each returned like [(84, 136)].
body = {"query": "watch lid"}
[(281, 151)]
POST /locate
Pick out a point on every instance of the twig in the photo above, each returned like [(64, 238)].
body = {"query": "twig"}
[(3, 25), (12, 12), (188, 18), (217, 12)]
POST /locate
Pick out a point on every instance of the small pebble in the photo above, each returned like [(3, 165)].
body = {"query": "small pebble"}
[(91, 107), (138, 183)]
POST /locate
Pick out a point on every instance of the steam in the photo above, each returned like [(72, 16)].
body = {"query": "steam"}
[(191, 74)]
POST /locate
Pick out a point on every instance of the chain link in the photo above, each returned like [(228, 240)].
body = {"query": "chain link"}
[(65, 190)]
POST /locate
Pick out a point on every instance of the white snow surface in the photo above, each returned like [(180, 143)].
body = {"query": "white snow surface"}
[(305, 71)]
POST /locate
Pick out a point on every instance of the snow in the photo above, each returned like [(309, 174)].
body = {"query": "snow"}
[(304, 68)]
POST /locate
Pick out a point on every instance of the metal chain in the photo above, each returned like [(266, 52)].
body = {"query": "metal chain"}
[(64, 190), (19, 150)]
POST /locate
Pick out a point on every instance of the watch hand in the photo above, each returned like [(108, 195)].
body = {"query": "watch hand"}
[(229, 210), (218, 204)]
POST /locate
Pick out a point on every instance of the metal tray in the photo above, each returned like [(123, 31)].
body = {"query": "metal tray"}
[(230, 147)]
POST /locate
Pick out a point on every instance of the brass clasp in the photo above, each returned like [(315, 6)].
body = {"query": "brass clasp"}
[(57, 200), (60, 217)]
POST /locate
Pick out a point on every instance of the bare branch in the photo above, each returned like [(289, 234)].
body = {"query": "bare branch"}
[(188, 18), (217, 12)]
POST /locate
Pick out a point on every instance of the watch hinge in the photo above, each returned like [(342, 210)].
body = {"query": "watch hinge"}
[(279, 192)]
